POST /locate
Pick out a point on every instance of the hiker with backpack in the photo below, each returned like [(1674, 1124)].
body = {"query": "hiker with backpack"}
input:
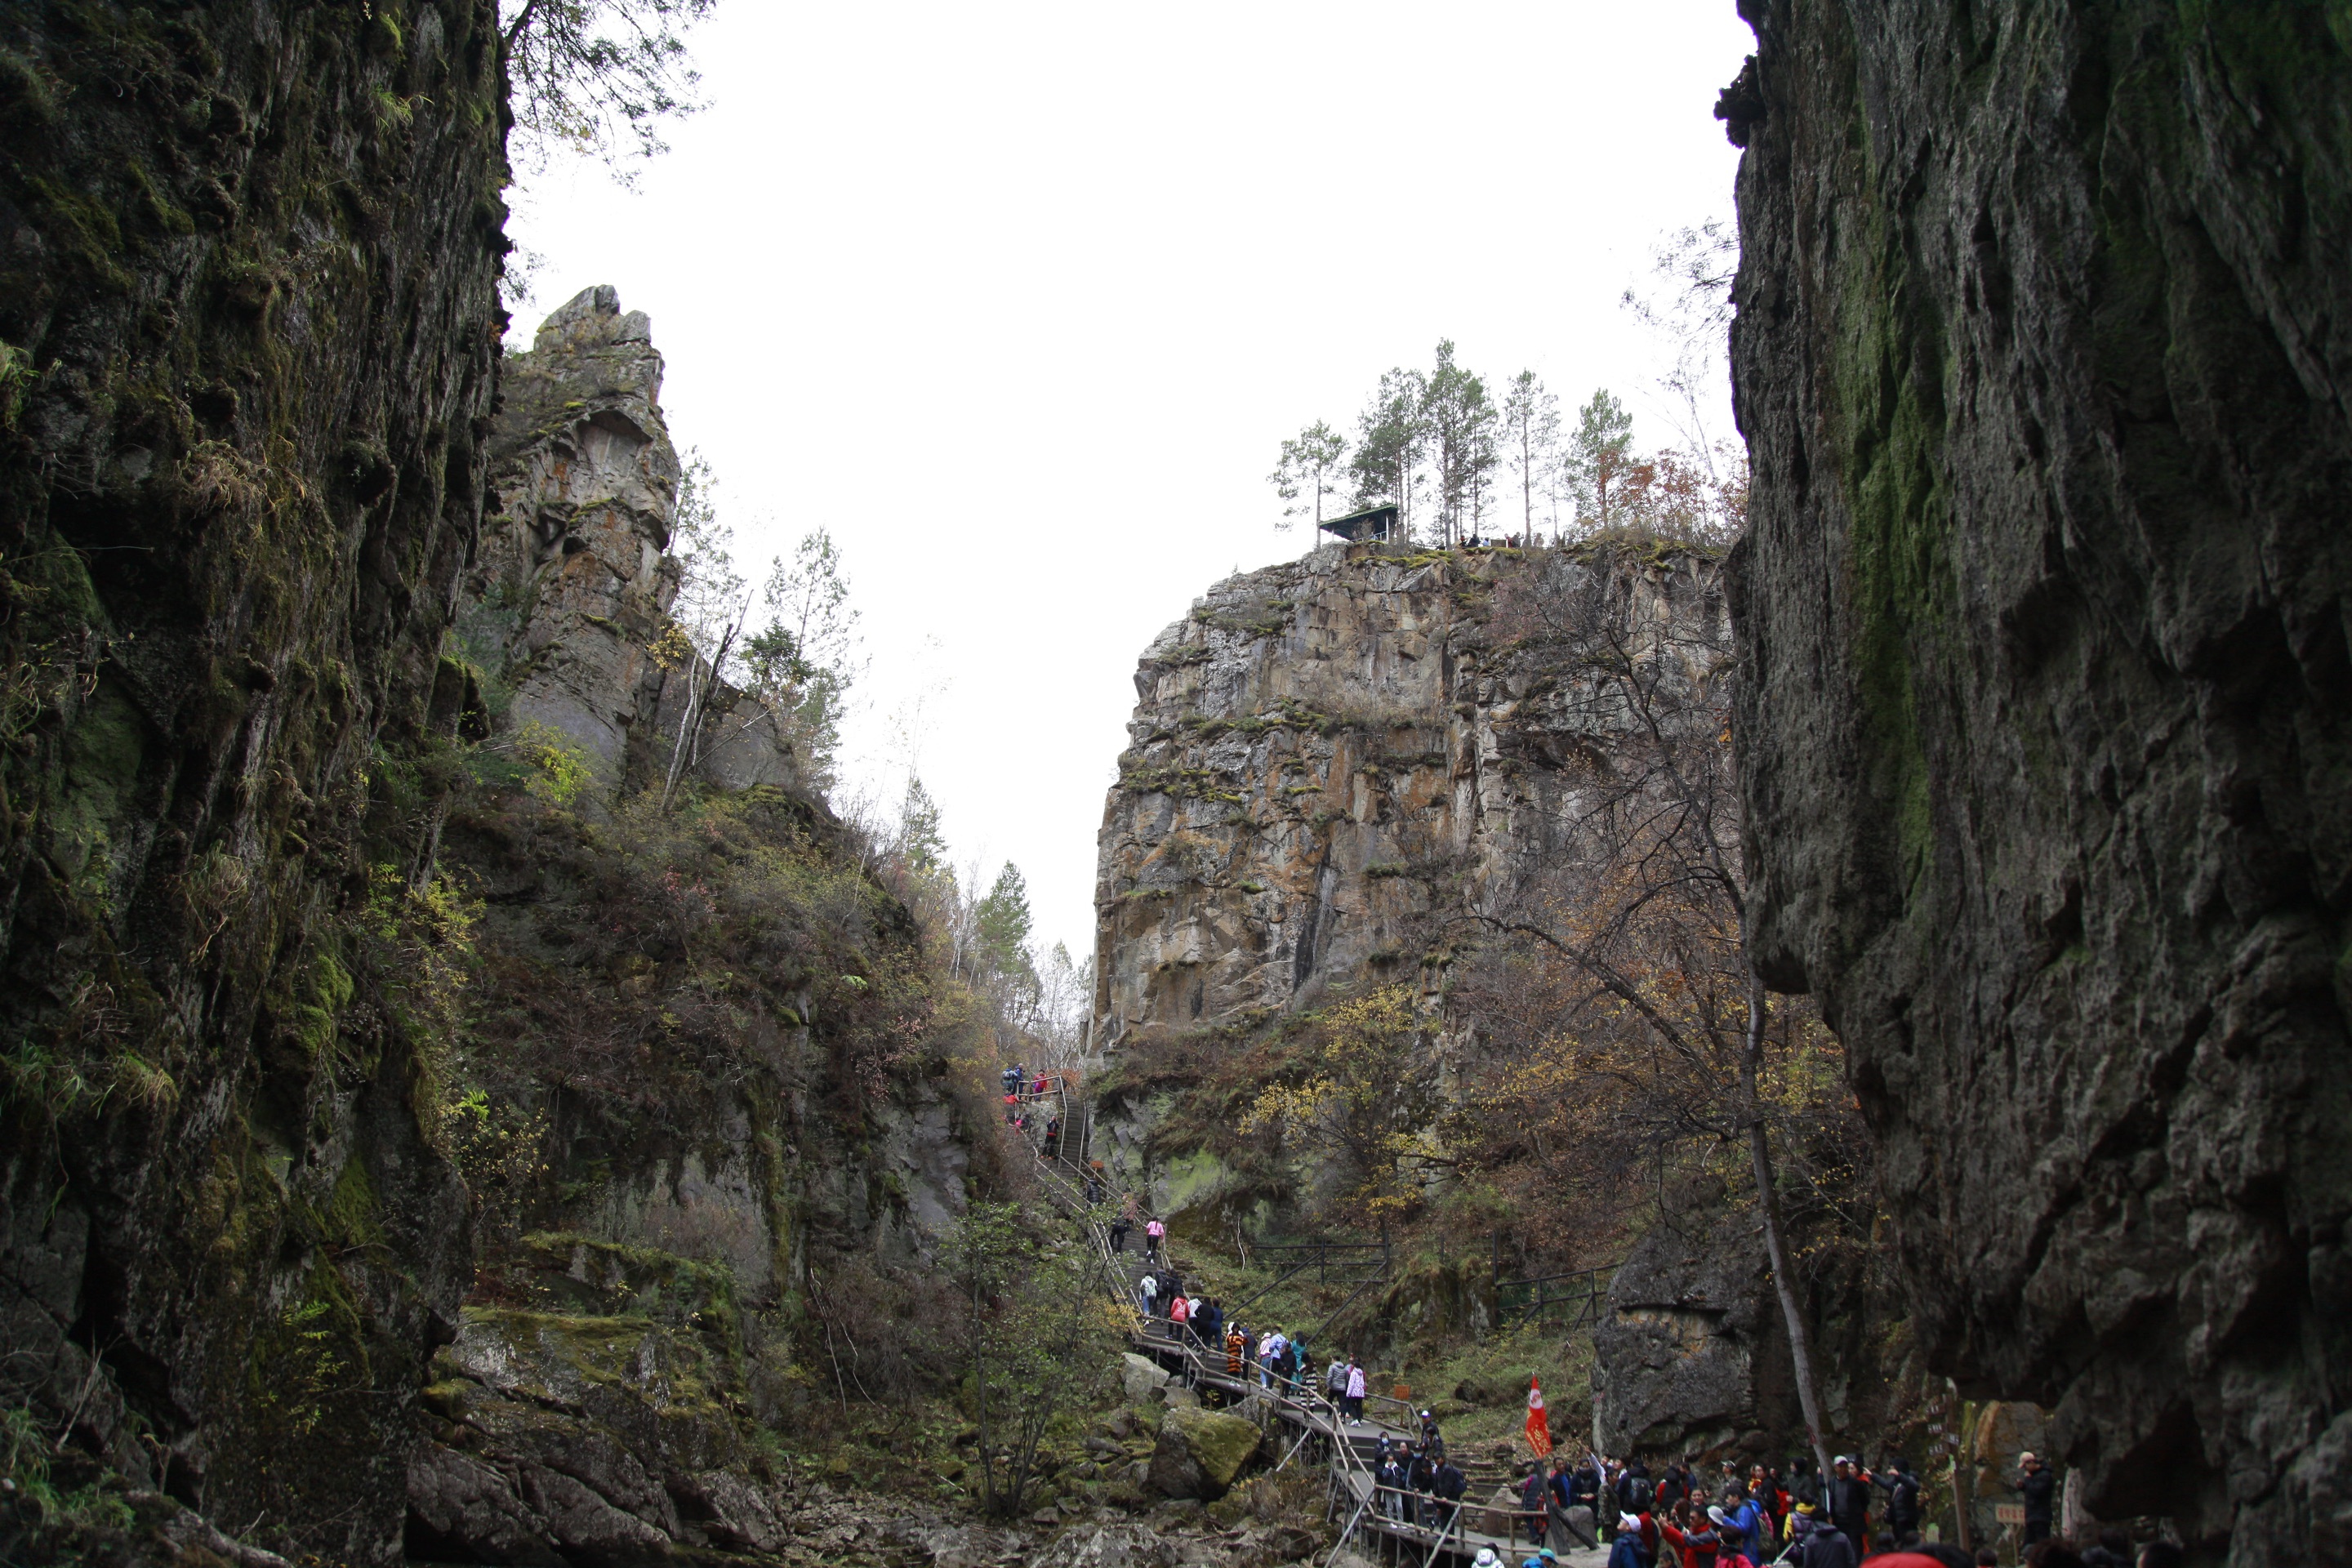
[(1816, 1541), (1449, 1484), (1636, 1494)]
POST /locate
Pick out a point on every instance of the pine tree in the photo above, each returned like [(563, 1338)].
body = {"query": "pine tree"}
[(1391, 435), (1000, 924), (921, 845), (1531, 432), (1460, 419), (1597, 455), (1309, 468)]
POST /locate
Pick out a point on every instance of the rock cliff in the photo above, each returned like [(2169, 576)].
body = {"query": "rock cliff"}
[(247, 331), (1332, 765), (569, 598), (695, 1093), (2040, 353)]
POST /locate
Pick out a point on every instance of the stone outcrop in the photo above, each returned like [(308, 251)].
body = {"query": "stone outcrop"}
[(1332, 763), (568, 603), (663, 1183), (1691, 1356), (248, 339), (1200, 1452), (2040, 353)]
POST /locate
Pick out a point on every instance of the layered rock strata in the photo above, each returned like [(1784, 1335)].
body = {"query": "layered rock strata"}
[(1331, 762), (247, 336), (570, 596), (2040, 353)]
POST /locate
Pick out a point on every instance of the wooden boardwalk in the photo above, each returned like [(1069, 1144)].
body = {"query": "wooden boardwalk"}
[(1312, 1429)]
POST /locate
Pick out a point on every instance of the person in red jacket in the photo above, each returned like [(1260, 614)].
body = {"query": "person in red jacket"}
[(1691, 1535)]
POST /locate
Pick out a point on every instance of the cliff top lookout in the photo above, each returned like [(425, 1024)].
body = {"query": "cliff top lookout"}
[(1372, 522)]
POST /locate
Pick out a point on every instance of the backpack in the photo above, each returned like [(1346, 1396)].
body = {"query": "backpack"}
[(1640, 1493)]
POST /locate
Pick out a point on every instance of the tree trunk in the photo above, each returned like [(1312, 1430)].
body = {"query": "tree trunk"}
[(1801, 1351)]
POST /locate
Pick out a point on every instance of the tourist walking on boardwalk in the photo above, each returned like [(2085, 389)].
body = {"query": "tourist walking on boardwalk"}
[(1817, 1542), (1689, 1535), (1392, 1481), (1237, 1350), (1335, 1379), (1180, 1313), (1582, 1489), (1742, 1520), (1119, 1234), (1154, 1234), (1355, 1396)]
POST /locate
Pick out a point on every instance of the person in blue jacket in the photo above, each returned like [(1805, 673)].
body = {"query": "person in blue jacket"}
[(1626, 1551)]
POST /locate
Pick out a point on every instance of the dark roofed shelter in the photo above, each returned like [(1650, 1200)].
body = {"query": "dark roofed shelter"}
[(1371, 522)]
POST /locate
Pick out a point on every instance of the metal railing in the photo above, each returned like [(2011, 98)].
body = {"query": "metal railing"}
[(1581, 1293)]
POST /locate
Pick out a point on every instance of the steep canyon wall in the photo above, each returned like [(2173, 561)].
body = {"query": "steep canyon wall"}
[(247, 336), (2042, 353), (1336, 768)]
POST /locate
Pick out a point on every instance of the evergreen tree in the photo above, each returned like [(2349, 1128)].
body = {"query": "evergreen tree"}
[(921, 845), (1391, 435), (1598, 455), (1310, 467), (1000, 925), (802, 661), (1531, 433), (1460, 420)]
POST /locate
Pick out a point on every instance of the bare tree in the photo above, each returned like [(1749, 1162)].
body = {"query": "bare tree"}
[(1655, 1013), (1686, 301)]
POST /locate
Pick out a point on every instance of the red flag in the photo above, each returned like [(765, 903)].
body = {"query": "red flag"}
[(1538, 1423)]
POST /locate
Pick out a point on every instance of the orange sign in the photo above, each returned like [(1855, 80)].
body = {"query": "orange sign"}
[(2009, 1513)]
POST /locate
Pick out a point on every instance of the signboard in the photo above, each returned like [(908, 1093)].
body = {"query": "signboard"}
[(2009, 1513)]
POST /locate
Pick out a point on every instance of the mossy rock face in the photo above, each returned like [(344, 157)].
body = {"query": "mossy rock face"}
[(226, 267), (1200, 1452)]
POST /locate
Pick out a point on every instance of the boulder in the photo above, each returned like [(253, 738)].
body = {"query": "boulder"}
[(1676, 1355), (1200, 1452), (1179, 1396), (1501, 1517), (460, 1509), (1575, 1532), (1141, 1376), (731, 1512)]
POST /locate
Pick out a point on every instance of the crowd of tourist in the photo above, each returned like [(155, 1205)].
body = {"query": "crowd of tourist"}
[(1762, 1516), (1770, 1514)]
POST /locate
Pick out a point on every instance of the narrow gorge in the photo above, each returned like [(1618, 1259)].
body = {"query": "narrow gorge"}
[(1855, 957)]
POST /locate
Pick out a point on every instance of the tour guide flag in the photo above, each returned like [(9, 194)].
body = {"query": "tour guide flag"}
[(1538, 1423)]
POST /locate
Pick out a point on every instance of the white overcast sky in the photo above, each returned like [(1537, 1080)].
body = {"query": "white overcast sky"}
[(1019, 300)]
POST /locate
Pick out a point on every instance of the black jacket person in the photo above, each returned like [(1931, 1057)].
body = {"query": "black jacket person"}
[(1849, 1501), (2038, 1487)]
